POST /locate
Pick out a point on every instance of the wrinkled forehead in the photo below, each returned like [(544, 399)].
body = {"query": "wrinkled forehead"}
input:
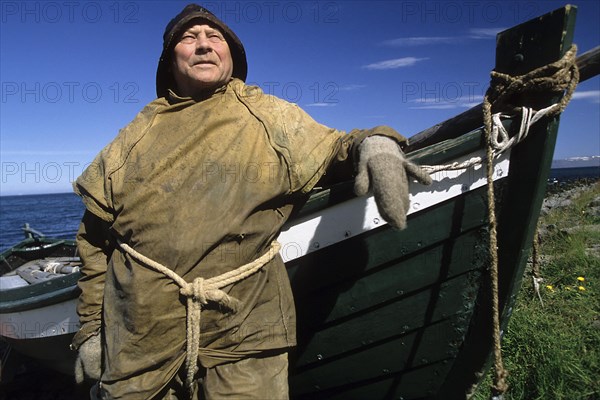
[(198, 25)]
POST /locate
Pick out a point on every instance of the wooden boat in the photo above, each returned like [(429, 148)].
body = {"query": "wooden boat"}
[(38, 295), (385, 313), (408, 314)]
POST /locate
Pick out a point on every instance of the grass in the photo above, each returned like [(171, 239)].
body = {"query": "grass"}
[(552, 350)]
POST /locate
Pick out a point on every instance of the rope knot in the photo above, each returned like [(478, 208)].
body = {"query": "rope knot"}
[(195, 291), (199, 292)]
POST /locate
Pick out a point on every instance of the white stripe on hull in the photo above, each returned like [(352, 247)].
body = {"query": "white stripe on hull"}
[(359, 214)]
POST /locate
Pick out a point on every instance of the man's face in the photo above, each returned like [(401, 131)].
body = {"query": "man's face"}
[(201, 60)]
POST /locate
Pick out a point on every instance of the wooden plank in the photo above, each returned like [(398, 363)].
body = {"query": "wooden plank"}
[(392, 357), (352, 258), (532, 159), (452, 300), (393, 279), (538, 42), (589, 64), (417, 383)]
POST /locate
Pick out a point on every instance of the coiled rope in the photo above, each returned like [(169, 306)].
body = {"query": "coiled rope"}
[(560, 76), (199, 293)]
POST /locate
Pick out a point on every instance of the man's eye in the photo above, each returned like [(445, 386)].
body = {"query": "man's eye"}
[(187, 39), (215, 37)]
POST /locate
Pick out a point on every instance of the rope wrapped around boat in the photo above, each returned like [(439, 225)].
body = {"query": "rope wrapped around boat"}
[(199, 293), (560, 76)]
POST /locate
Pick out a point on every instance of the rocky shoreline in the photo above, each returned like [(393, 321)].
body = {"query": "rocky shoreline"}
[(561, 194), (561, 197)]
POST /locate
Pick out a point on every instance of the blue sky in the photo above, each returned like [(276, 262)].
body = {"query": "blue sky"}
[(73, 73)]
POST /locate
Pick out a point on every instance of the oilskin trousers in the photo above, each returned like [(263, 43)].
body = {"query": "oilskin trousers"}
[(256, 378)]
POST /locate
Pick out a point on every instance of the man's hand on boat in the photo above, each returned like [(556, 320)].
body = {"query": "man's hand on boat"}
[(384, 170), (88, 363)]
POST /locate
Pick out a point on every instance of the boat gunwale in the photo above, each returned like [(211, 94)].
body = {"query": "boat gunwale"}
[(40, 294)]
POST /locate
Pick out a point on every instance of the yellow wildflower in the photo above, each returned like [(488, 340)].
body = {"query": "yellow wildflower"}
[(550, 288), (581, 279), (581, 288)]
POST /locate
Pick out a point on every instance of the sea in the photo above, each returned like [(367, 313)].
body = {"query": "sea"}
[(54, 215), (58, 215)]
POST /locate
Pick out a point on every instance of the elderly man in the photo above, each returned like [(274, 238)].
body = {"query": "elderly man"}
[(175, 228)]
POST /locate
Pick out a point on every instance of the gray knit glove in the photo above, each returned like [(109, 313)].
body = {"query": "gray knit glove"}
[(89, 360), (384, 170)]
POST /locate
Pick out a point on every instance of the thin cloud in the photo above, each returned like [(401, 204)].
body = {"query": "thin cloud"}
[(469, 104), (441, 104), (351, 87), (321, 104), (395, 63), (414, 41), (45, 153), (484, 33), (439, 99), (419, 41), (593, 95)]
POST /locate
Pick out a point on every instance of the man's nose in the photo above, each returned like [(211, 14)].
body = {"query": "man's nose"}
[(203, 44)]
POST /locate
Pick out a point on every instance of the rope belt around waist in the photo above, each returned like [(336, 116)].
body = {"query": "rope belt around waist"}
[(200, 292)]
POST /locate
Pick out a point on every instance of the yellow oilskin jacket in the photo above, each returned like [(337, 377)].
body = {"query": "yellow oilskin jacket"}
[(201, 186)]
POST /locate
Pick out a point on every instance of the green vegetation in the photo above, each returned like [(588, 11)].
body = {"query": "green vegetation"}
[(552, 350)]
